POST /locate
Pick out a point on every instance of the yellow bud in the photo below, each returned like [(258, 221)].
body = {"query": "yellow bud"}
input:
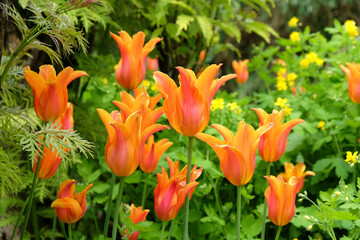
[(307, 217), (337, 193), (309, 227)]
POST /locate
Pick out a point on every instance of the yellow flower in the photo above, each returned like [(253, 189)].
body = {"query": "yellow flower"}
[(146, 83), (312, 57), (115, 66), (154, 88), (281, 83), (105, 81), (319, 62), (314, 96), (217, 103), (351, 28), (280, 102), (288, 110), (291, 77), (304, 63), (281, 71), (351, 158), (293, 22), (295, 37), (233, 106), (321, 125)]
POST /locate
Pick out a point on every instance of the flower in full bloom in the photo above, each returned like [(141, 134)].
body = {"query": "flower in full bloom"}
[(217, 103), (237, 152), (351, 28), (50, 90), (130, 71), (152, 153), (137, 215), (293, 22), (321, 125), (169, 194), (188, 107), (352, 72), (280, 198), (291, 77), (295, 37), (298, 171), (69, 206), (126, 139), (240, 68), (234, 106), (282, 103), (352, 158), (273, 143), (67, 120)]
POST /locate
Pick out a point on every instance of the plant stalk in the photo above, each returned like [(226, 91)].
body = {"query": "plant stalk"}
[(188, 175), (171, 228), (144, 191), (238, 213), (55, 217), (69, 231), (108, 212), (19, 217), (117, 208), (265, 207), (278, 233), (35, 222), (163, 225)]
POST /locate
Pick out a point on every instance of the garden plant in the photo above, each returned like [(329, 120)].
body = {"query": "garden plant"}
[(150, 120)]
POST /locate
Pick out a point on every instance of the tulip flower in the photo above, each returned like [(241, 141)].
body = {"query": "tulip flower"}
[(137, 215), (240, 68), (125, 141), (280, 197), (49, 163), (152, 153), (297, 171), (237, 152), (69, 206), (152, 64), (50, 91), (130, 71), (273, 143), (169, 194), (352, 72), (188, 107), (67, 120)]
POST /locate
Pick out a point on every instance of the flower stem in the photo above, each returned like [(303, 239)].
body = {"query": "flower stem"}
[(265, 206), (19, 217), (107, 218), (144, 191), (34, 221), (69, 231), (188, 175), (163, 223), (278, 233), (171, 227), (32, 193), (117, 208), (55, 217), (63, 229), (238, 213)]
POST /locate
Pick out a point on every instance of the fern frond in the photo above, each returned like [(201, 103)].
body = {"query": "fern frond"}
[(10, 176)]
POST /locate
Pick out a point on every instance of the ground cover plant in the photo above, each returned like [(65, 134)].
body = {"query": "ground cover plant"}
[(163, 130)]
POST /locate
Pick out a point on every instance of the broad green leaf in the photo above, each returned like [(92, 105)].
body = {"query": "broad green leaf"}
[(230, 29), (261, 29)]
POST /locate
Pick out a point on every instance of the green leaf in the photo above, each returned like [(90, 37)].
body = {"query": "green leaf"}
[(261, 29), (183, 22), (230, 29), (23, 3), (183, 5), (325, 196), (251, 225), (206, 27)]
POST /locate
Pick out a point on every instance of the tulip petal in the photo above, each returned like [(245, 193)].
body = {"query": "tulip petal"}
[(47, 72), (206, 78), (225, 132), (67, 189)]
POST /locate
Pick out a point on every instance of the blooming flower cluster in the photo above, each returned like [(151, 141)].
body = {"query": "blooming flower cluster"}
[(293, 22), (295, 37), (351, 28), (321, 125), (282, 103), (219, 104), (352, 158), (311, 57), (284, 79)]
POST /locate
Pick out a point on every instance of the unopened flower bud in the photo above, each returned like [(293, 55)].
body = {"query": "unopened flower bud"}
[(305, 192), (307, 217), (347, 199), (309, 227), (337, 193), (345, 186), (300, 200)]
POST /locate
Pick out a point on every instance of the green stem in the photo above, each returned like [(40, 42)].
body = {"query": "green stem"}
[(356, 149), (265, 206), (63, 229), (19, 217), (144, 191), (171, 228), (58, 176), (117, 208), (108, 212), (35, 222), (69, 231), (32, 194), (163, 223), (278, 233), (238, 213), (188, 175)]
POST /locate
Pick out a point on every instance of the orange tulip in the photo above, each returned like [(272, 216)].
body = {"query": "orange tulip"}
[(125, 141), (352, 72), (273, 143), (174, 171), (136, 215), (280, 197), (236, 153), (202, 56), (169, 194), (130, 71), (50, 91), (297, 171), (152, 64), (69, 206), (49, 163), (188, 107), (67, 120), (240, 68), (152, 153)]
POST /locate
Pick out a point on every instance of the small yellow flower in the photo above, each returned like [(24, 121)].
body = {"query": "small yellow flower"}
[(233, 106), (281, 72), (280, 101), (351, 28), (351, 158), (291, 77), (295, 37), (312, 57), (105, 81), (319, 62), (314, 96), (154, 88), (304, 63), (146, 83), (281, 83), (288, 110), (321, 125), (217, 103), (115, 66), (293, 22)]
